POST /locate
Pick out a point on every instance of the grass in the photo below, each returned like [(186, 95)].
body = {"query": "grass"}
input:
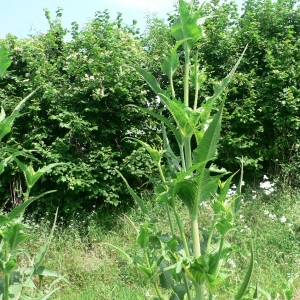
[(96, 271)]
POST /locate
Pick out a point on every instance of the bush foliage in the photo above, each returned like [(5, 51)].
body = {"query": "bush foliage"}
[(79, 114)]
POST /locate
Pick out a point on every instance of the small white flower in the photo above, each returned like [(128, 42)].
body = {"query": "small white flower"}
[(231, 263), (265, 177), (266, 212), (283, 219), (272, 216)]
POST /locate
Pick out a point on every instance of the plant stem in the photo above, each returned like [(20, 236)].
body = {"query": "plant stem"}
[(172, 87), (186, 74), (213, 224), (188, 153), (182, 158), (159, 294), (196, 82), (219, 256), (199, 289), (167, 206), (195, 234), (187, 288), (182, 234), (7, 276)]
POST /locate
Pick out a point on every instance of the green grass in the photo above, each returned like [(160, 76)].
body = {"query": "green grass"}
[(96, 271)]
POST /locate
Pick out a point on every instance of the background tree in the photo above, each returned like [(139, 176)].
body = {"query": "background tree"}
[(79, 115)]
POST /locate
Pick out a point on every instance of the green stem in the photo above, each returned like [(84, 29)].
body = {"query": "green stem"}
[(182, 234), (196, 82), (170, 220), (188, 153), (219, 261), (159, 294), (186, 74), (182, 157), (195, 234), (187, 288), (7, 276), (167, 206), (211, 231), (199, 289), (26, 198), (172, 87)]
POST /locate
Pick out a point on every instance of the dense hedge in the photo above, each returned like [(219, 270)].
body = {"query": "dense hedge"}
[(79, 114)]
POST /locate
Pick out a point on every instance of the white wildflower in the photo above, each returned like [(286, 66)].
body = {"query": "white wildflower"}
[(231, 263), (282, 219), (272, 216)]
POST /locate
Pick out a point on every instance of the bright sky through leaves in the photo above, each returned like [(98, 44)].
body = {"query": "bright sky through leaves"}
[(20, 16)]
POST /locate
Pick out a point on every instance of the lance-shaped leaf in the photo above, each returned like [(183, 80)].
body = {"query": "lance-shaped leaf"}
[(154, 153), (137, 199), (220, 87), (6, 124), (207, 147), (165, 121), (185, 118), (31, 176), (171, 62), (4, 59), (21, 208), (14, 236), (224, 188), (247, 278), (187, 26), (4, 162), (43, 250), (44, 297), (150, 79), (143, 238), (179, 292)]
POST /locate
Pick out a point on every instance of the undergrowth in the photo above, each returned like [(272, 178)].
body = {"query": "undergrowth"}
[(95, 271)]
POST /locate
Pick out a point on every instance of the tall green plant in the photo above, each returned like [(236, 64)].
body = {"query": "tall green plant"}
[(192, 268), (18, 280)]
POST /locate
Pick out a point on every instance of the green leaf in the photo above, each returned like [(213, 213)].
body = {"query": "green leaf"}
[(43, 250), (143, 237), (150, 79), (186, 28), (164, 120), (179, 292), (14, 236), (154, 153), (120, 250), (30, 175), (6, 124), (165, 280), (171, 62), (41, 270), (220, 87), (247, 278), (43, 297), (4, 162), (21, 208), (225, 188), (4, 59), (137, 199), (207, 147)]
